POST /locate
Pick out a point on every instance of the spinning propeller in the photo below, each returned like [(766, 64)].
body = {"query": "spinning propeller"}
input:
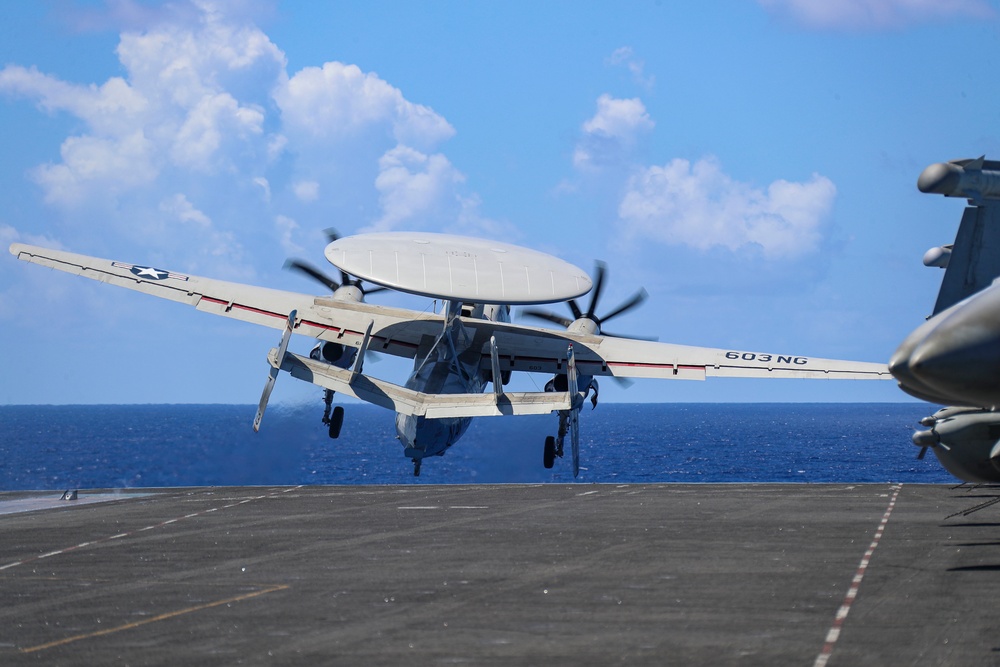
[(327, 281), (588, 322)]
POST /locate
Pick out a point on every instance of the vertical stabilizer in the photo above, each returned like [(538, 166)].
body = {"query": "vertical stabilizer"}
[(975, 258)]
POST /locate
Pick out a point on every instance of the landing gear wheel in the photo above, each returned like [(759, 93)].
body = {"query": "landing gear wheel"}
[(549, 458), (336, 421)]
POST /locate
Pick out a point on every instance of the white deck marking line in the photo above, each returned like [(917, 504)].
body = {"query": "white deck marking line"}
[(852, 593), (101, 540)]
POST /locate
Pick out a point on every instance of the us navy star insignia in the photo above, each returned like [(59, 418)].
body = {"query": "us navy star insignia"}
[(149, 272)]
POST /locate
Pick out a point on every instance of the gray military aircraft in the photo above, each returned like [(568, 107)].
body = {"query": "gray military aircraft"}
[(458, 352), (953, 358)]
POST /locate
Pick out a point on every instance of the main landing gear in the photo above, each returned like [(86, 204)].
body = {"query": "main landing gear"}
[(554, 444), (568, 419), (335, 418)]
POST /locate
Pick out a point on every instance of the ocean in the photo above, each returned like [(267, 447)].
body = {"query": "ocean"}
[(128, 446)]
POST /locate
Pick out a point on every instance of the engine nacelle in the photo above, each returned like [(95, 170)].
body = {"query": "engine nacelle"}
[(966, 441), (341, 356)]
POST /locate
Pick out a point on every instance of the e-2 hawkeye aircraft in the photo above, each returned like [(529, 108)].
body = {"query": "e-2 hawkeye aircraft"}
[(456, 353)]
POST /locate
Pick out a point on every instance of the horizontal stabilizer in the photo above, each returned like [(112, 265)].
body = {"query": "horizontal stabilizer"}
[(410, 402)]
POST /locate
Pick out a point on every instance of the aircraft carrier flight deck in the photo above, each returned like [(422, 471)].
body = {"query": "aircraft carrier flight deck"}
[(720, 574)]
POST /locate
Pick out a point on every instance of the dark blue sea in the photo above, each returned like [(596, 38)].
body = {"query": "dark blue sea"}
[(124, 446)]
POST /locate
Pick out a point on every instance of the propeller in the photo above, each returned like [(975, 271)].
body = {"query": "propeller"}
[(589, 321), (327, 281), (926, 439)]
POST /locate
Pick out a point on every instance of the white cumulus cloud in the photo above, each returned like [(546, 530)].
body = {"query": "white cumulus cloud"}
[(611, 133), (337, 100), (206, 111), (203, 131), (113, 108), (98, 166), (700, 206), (191, 99), (414, 186)]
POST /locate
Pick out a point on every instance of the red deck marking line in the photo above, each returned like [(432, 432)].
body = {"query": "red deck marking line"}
[(852, 593)]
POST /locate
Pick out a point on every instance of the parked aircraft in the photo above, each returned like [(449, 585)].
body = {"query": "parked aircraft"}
[(953, 358), (456, 353)]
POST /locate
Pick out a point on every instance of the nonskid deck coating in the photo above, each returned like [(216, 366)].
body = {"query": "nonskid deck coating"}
[(757, 574)]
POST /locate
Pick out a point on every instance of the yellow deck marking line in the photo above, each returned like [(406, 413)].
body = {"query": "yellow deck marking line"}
[(101, 540), (146, 621), (852, 593)]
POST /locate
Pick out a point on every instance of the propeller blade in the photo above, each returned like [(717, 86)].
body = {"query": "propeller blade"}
[(595, 295), (331, 236), (345, 278), (547, 316), (624, 383), (636, 299), (600, 273), (651, 339), (922, 454), (313, 272)]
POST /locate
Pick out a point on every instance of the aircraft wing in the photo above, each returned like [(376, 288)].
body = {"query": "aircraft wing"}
[(402, 332), (543, 350), (318, 317)]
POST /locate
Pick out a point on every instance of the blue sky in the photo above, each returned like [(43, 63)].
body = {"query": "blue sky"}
[(752, 164)]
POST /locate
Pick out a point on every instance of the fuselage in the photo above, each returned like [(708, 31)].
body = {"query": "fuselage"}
[(954, 357), (451, 366)]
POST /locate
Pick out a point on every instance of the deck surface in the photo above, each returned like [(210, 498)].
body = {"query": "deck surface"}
[(729, 574)]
